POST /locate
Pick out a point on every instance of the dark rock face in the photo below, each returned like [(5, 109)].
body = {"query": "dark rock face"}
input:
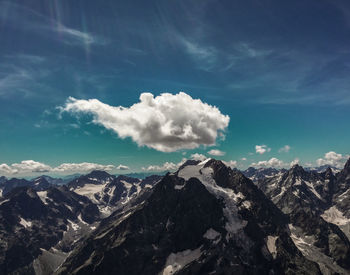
[(200, 220), (14, 183), (38, 184), (2, 180)]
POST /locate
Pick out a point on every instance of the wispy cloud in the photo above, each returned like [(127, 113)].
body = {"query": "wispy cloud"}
[(20, 74), (284, 149), (216, 152), (23, 17)]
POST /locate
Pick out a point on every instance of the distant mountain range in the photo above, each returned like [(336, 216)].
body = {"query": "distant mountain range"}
[(204, 218)]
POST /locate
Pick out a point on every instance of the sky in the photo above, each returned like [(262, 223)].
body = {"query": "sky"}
[(130, 86)]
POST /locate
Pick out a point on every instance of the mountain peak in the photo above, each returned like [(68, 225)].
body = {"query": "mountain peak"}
[(189, 162), (296, 168), (347, 165), (99, 174)]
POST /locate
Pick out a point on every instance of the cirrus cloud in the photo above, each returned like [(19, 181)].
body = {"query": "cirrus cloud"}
[(166, 123), (215, 152), (284, 149)]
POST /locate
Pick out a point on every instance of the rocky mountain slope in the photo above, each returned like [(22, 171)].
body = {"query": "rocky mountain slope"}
[(204, 219), (317, 205), (41, 223)]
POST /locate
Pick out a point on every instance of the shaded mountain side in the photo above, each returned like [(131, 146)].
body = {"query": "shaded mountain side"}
[(205, 218)]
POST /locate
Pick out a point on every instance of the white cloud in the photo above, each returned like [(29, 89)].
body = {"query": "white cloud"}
[(215, 152), (244, 159), (332, 159), (273, 162), (167, 166), (166, 123), (27, 167), (171, 166), (81, 167), (261, 149), (122, 167), (6, 169), (284, 149), (199, 157), (294, 162), (231, 163)]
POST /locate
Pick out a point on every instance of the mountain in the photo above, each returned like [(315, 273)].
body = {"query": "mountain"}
[(2, 179), (310, 201), (256, 174), (203, 219), (49, 222), (109, 192), (54, 181), (14, 183), (38, 184), (339, 210), (46, 224), (143, 175), (323, 168)]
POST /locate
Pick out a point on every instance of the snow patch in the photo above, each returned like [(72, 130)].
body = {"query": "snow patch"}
[(81, 220), (211, 234), (2, 202), (43, 196), (205, 175), (333, 215), (73, 225), (179, 187), (312, 189), (247, 204), (271, 245), (25, 223), (176, 261)]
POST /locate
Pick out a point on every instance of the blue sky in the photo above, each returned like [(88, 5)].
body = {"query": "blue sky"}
[(278, 69)]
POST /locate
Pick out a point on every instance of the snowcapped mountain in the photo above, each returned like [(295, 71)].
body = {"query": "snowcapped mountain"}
[(46, 223), (39, 183), (109, 192), (323, 168), (316, 204), (50, 220), (203, 219), (257, 174), (55, 181)]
